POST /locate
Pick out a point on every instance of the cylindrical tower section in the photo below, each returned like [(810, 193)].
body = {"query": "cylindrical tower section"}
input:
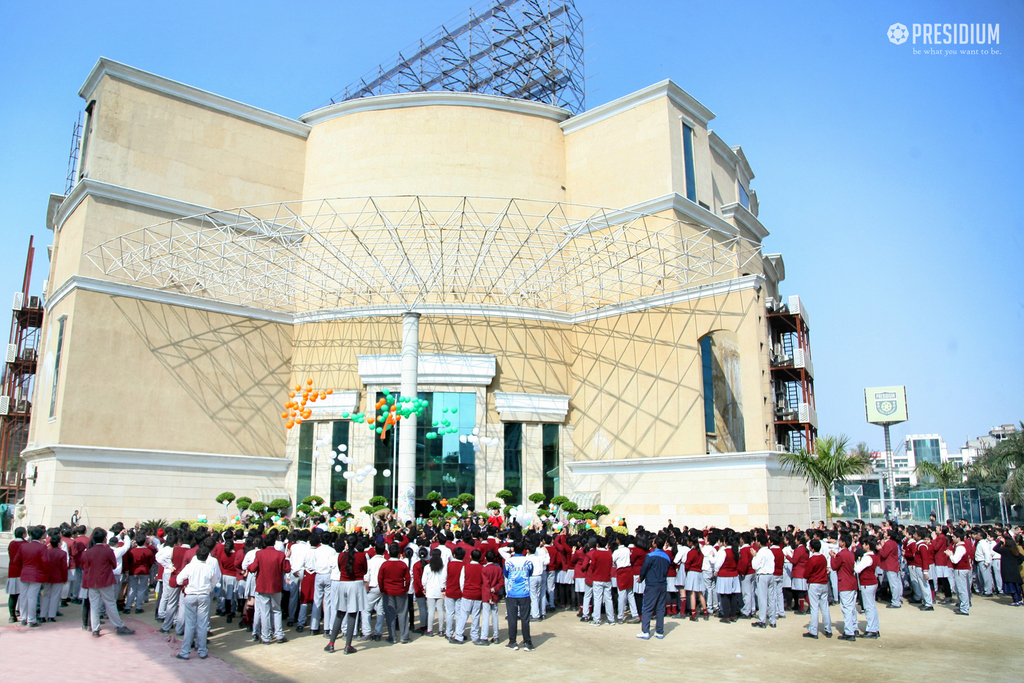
[(406, 503)]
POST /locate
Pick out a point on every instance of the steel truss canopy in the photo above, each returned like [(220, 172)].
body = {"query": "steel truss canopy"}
[(525, 49), (414, 252)]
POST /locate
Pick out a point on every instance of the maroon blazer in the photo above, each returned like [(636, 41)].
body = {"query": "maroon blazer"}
[(58, 565), (270, 566), (98, 564), (34, 566)]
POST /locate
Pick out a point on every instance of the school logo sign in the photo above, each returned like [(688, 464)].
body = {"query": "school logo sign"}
[(898, 34), (886, 405)]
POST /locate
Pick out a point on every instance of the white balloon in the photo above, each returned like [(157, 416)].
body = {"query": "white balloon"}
[(360, 478), (343, 448), (373, 471), (476, 430), (348, 475), (387, 473), (337, 468), (316, 456), (462, 438)]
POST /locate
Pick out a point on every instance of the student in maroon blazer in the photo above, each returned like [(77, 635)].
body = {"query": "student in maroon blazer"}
[(270, 565), (139, 561), (453, 591), (816, 574), (842, 565), (14, 572), (35, 571), (493, 583), (57, 560), (889, 561), (393, 578), (98, 563), (601, 574)]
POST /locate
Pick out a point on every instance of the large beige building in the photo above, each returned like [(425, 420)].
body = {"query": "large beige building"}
[(588, 292)]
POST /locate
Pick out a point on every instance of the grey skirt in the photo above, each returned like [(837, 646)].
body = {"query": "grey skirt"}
[(727, 585), (349, 596), (694, 581), (798, 584), (13, 586)]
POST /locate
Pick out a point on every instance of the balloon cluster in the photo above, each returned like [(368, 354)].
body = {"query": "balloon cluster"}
[(342, 458), (295, 410), (477, 440), (444, 425), (388, 412)]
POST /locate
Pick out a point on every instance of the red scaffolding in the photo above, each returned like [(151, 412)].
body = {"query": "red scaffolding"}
[(18, 380)]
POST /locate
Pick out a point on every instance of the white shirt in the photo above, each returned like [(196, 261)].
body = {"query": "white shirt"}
[(434, 582), (300, 551), (620, 558), (720, 558), (983, 551), (322, 560), (202, 576), (538, 563), (958, 553), (863, 563), (709, 554), (119, 553), (373, 569), (764, 562), (163, 558), (249, 558)]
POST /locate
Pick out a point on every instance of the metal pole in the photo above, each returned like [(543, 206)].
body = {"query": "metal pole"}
[(890, 477), (405, 502)]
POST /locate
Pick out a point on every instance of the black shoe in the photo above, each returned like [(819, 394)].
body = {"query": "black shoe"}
[(95, 634), (329, 647), (349, 650), (181, 656), (255, 639), (314, 631), (828, 634), (927, 608), (869, 634), (229, 618), (852, 639), (289, 623), (300, 628), (759, 624), (811, 635), (511, 646), (13, 620), (282, 639), (893, 606), (138, 611), (34, 624), (528, 647), (203, 656), (772, 625), (962, 614)]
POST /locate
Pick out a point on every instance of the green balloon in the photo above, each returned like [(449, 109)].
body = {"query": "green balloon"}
[(455, 410), (345, 415), (380, 430)]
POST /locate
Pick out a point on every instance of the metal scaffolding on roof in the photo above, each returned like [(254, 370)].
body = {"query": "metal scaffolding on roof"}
[(411, 251), (525, 49)]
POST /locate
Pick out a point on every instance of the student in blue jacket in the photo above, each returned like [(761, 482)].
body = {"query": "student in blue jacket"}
[(654, 573)]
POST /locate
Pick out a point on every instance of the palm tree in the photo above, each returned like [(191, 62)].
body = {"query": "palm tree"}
[(1009, 453), (945, 475), (831, 463)]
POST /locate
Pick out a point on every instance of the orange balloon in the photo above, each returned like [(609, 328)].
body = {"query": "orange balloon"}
[(298, 420), (394, 408), (284, 415), (309, 381), (289, 424), (306, 413), (304, 399), (312, 398), (323, 395), (291, 394), (298, 387), (330, 391)]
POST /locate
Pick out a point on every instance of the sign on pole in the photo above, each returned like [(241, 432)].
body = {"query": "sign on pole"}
[(886, 405)]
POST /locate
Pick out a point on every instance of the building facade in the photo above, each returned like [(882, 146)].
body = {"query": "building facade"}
[(588, 290)]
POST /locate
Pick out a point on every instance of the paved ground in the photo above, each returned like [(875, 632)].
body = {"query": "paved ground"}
[(934, 647)]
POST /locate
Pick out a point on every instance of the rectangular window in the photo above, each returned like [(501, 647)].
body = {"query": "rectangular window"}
[(339, 484), (709, 385), (691, 178), (514, 461), (551, 464), (304, 480), (56, 365), (744, 197)]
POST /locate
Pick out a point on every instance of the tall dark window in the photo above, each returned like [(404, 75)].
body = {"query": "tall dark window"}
[(691, 178), (551, 464), (709, 384), (304, 477), (744, 197), (339, 484), (514, 461), (56, 365)]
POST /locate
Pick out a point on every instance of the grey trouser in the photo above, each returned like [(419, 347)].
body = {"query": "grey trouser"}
[(435, 606), (99, 597), (138, 588), (923, 588), (396, 608), (710, 592), (549, 579), (269, 607), (626, 596), (469, 610), (169, 599), (588, 595), (374, 603), (817, 598), (228, 589), (538, 596), (747, 592), (197, 623), (962, 581), (654, 606), (776, 600), (28, 602), (53, 592), (451, 610), (984, 574), (848, 603), (867, 596), (74, 582), (321, 593), (766, 599), (895, 581), (489, 619), (603, 596)]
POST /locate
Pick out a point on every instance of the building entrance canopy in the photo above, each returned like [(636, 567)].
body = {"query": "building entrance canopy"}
[(387, 255)]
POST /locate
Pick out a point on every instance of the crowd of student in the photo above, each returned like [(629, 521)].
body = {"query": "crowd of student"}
[(441, 582)]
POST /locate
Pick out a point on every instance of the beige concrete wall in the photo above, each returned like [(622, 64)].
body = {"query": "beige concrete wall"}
[(104, 493), (147, 375), (436, 150), (160, 144)]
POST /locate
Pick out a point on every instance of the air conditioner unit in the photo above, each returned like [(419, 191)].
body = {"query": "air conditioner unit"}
[(19, 300), (5, 403), (779, 448), (29, 355), (33, 302), (12, 353)]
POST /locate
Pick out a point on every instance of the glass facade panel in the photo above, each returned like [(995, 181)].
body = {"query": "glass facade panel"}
[(56, 365), (339, 484), (691, 178), (709, 385), (551, 463), (514, 461), (304, 479), (744, 197)]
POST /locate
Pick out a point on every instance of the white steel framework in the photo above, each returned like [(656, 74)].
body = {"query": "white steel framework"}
[(408, 251)]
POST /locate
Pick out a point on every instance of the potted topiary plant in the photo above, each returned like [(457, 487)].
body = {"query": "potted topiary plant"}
[(537, 499), (504, 495), (313, 500), (494, 505), (243, 503)]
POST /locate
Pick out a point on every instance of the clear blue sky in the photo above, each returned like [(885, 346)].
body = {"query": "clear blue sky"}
[(886, 178)]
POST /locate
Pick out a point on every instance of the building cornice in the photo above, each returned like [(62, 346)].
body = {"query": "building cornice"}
[(462, 369), (666, 88), (747, 221), (521, 407), (153, 458), (712, 461), (129, 291), (190, 94), (432, 99), (87, 187)]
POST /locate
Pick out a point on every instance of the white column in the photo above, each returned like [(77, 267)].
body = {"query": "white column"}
[(406, 503)]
